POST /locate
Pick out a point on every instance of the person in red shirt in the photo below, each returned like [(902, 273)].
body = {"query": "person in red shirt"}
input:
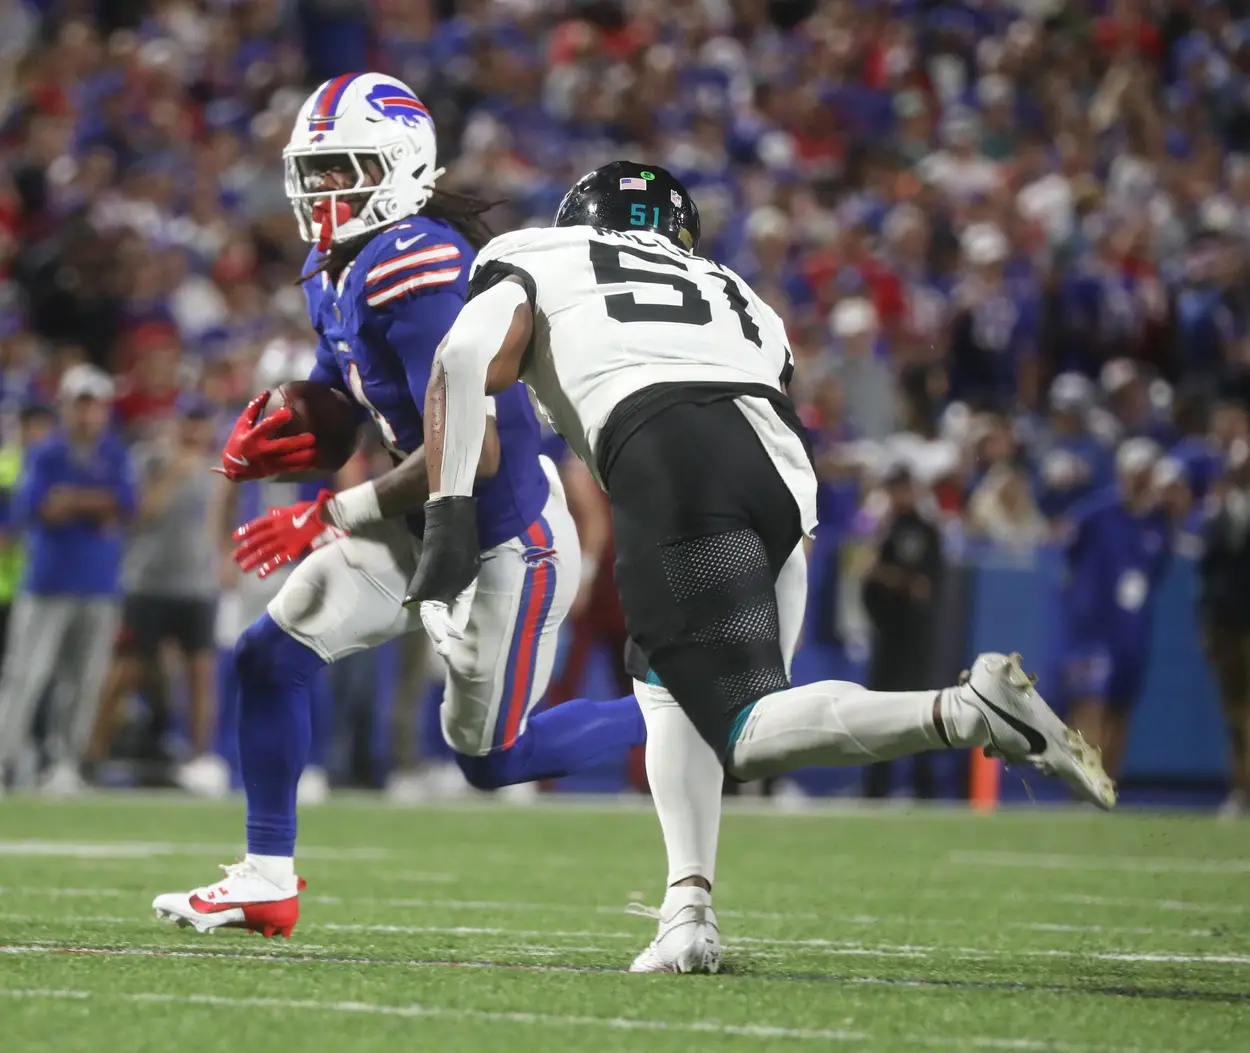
[(150, 388), (1124, 30)]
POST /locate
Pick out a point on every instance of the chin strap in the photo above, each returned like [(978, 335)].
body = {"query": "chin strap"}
[(330, 216)]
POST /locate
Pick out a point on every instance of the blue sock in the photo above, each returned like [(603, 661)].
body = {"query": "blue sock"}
[(568, 738), (275, 727), (431, 746), (319, 699)]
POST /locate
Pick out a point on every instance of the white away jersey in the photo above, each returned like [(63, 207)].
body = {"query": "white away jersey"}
[(618, 312)]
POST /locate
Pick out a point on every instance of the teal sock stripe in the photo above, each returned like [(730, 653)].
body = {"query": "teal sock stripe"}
[(739, 723)]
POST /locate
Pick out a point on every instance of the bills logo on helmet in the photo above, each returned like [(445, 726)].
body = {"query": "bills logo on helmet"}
[(397, 104)]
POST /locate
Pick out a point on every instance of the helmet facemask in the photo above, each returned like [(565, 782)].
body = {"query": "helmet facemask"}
[(329, 213)]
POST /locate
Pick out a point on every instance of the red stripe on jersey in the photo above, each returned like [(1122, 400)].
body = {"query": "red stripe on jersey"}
[(417, 281), (433, 254)]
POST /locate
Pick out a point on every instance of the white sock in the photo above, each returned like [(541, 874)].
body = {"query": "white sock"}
[(830, 723), (680, 897), (686, 779), (964, 724), (278, 869)]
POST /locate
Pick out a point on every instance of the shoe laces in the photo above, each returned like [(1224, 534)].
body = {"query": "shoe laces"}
[(1009, 763), (239, 868), (641, 910)]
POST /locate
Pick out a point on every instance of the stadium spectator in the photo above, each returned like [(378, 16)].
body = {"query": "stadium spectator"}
[(1224, 614), (34, 422), (170, 575), (1119, 548), (74, 499), (1002, 509), (899, 594), (861, 372)]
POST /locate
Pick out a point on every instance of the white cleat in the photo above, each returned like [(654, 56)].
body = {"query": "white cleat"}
[(688, 940), (206, 776), (1023, 727), (62, 780), (434, 782), (243, 899), (520, 793), (1234, 806), (313, 788)]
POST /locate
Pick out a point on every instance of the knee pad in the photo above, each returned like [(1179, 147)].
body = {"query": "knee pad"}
[(254, 645), (265, 654), (487, 772), (727, 654)]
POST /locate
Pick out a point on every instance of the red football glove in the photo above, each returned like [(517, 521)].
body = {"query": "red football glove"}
[(253, 452), (283, 536)]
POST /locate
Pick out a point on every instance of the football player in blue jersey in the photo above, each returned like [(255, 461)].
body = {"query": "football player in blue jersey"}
[(386, 278)]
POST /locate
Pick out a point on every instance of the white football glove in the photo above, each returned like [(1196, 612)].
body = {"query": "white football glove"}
[(442, 631)]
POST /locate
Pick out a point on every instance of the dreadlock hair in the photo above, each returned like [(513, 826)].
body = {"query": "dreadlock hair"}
[(462, 212)]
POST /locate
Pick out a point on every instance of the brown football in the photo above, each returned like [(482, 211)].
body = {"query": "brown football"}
[(325, 412)]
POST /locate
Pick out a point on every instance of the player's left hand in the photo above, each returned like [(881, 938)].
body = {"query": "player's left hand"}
[(450, 558), (439, 627), (256, 451), (283, 535)]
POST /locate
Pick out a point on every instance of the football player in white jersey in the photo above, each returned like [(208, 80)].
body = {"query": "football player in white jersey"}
[(667, 375)]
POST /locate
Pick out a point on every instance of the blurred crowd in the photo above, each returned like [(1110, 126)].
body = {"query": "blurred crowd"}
[(1005, 235)]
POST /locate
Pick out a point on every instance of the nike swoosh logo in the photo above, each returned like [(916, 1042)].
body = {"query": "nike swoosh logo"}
[(403, 243), (1035, 739), (237, 460), (299, 520), (201, 906)]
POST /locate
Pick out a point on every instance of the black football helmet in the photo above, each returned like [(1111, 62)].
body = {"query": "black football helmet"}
[(625, 195)]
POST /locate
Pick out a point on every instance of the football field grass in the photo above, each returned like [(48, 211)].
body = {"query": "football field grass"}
[(496, 928)]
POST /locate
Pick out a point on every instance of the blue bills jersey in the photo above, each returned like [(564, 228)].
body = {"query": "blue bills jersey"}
[(1115, 561), (379, 325)]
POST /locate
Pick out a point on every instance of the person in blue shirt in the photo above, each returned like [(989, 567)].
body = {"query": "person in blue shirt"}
[(73, 500), (1207, 432), (1072, 463), (992, 354), (388, 275), (1118, 549)]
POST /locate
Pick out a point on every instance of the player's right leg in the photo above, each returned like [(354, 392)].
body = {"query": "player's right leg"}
[(345, 597), (704, 525)]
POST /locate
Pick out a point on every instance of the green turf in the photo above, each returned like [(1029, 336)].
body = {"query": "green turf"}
[(495, 928)]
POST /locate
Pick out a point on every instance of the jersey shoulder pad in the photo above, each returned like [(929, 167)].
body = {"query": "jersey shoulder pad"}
[(507, 256), (411, 257), (516, 243)]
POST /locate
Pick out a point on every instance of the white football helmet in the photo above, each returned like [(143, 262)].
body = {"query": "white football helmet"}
[(360, 118)]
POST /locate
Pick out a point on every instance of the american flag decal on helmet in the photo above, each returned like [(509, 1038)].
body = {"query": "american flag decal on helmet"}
[(398, 104)]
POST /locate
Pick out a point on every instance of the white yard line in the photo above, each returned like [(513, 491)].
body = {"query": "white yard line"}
[(1137, 864), (755, 946), (94, 854), (858, 920), (30, 847), (1082, 900), (457, 1014)]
